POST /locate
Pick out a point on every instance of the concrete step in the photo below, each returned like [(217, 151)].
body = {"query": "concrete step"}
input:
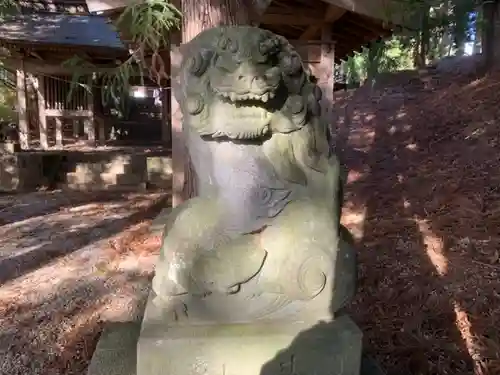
[(96, 168), (159, 171), (121, 179), (119, 164), (103, 187), (103, 181)]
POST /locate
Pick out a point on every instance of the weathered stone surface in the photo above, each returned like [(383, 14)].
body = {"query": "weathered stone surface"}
[(116, 351), (251, 349), (261, 239), (103, 171), (20, 171), (159, 170)]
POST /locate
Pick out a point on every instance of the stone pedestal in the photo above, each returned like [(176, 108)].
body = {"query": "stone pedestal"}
[(257, 348), (148, 343)]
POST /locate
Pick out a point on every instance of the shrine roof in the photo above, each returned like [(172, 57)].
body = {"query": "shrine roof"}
[(60, 29)]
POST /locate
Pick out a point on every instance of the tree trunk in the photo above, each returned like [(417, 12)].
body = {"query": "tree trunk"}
[(416, 51), (478, 30), (489, 18), (199, 15), (461, 21), (445, 40), (374, 54), (424, 37)]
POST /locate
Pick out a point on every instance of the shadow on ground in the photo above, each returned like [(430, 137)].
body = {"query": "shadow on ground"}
[(48, 235), (14, 207), (57, 334), (424, 179)]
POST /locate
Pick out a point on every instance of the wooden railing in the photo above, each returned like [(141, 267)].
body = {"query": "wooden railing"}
[(8, 78), (56, 6)]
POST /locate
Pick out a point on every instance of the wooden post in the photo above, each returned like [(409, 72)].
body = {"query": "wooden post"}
[(23, 129), (101, 129), (326, 79), (88, 128), (165, 114), (179, 154), (99, 112), (42, 118), (59, 132), (76, 128), (88, 122)]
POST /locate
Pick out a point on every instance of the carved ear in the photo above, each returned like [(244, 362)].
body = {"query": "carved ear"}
[(280, 154), (305, 148)]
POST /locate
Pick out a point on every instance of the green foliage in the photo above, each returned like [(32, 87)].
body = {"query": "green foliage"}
[(8, 7), (383, 56), (7, 104), (147, 26), (443, 29), (7, 96)]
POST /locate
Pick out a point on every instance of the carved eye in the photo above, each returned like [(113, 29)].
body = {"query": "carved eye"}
[(194, 105), (225, 64)]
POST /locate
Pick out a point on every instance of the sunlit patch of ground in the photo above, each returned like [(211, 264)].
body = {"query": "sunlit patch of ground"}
[(70, 262)]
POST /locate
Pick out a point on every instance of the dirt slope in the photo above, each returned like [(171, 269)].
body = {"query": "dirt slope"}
[(423, 201)]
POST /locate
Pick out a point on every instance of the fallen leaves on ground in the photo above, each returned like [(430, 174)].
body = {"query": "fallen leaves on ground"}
[(51, 314), (424, 201)]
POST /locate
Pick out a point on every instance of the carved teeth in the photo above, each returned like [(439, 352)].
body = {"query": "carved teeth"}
[(249, 96)]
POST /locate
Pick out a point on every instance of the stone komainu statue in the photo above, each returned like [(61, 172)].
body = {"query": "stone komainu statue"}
[(262, 238)]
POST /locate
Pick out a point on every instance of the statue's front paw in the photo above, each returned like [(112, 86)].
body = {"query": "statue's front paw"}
[(164, 286), (175, 307)]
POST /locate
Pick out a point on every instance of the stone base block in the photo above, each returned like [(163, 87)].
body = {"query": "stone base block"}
[(251, 349), (128, 347), (116, 353)]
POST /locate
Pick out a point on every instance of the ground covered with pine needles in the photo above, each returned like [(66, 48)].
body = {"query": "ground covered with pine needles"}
[(69, 262), (423, 200)]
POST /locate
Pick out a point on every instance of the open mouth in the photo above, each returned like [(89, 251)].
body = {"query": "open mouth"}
[(245, 115), (263, 96), (235, 97), (241, 116)]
